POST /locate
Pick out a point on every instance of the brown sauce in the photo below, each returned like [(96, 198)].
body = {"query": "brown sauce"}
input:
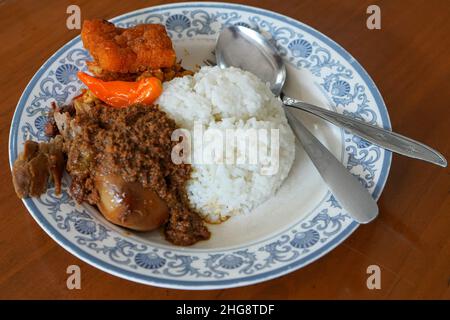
[(134, 145)]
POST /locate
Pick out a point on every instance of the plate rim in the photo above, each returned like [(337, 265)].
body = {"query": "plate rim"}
[(212, 284)]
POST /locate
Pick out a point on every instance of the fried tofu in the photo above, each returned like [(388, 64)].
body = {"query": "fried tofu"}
[(131, 50)]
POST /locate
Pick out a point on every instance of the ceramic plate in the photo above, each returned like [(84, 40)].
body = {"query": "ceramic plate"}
[(296, 227)]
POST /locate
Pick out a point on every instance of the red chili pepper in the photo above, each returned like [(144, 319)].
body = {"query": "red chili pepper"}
[(122, 93)]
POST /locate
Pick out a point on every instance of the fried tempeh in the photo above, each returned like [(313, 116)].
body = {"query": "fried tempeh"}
[(140, 48)]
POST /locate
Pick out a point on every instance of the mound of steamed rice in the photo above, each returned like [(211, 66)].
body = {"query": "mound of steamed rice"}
[(228, 99)]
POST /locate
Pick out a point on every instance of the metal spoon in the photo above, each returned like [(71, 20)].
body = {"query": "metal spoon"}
[(245, 48), (250, 51)]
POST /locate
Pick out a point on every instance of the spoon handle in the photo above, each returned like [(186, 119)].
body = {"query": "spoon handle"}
[(388, 140), (347, 190)]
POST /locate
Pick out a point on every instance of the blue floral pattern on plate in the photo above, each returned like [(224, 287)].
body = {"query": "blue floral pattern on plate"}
[(300, 48), (66, 73), (178, 23), (80, 230)]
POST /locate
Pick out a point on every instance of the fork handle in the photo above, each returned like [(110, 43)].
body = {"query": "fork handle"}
[(386, 139)]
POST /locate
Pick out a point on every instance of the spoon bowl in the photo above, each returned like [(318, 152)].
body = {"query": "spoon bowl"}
[(265, 62)]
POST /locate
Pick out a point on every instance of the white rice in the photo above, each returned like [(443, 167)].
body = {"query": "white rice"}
[(228, 99)]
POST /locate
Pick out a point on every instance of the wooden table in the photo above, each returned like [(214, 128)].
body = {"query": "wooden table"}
[(408, 60)]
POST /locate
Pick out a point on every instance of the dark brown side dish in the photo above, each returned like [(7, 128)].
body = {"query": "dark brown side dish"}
[(131, 147), (118, 158), (36, 164)]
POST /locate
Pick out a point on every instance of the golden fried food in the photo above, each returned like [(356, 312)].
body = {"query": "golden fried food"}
[(132, 50), (163, 74)]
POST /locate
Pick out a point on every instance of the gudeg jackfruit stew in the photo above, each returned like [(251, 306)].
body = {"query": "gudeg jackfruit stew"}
[(115, 138)]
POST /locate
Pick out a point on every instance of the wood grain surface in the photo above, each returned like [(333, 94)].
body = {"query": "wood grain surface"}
[(409, 60)]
